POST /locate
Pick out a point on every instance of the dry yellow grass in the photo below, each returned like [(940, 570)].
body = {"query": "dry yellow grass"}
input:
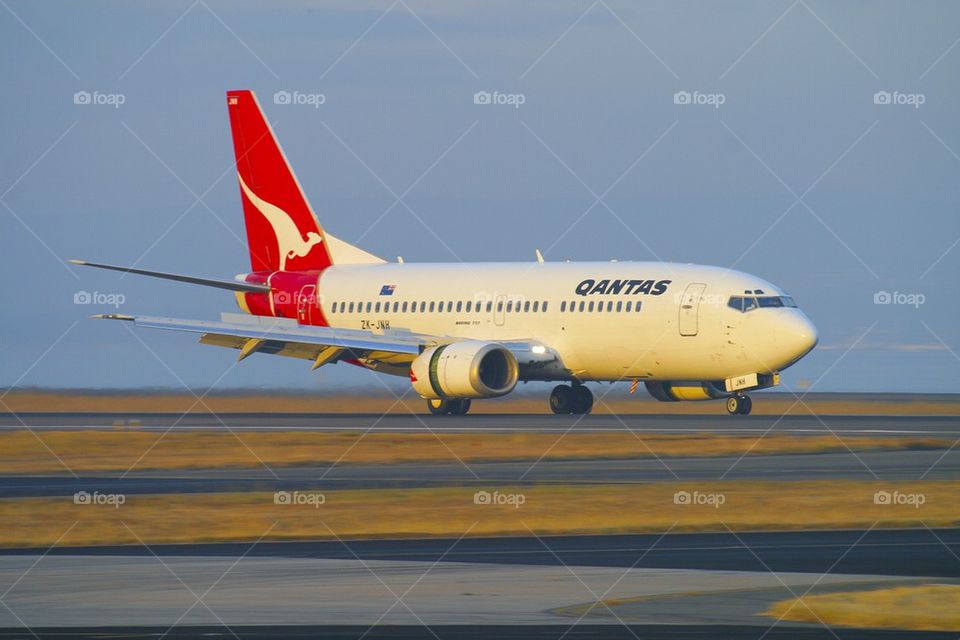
[(617, 401), (25, 452), (451, 512), (932, 607)]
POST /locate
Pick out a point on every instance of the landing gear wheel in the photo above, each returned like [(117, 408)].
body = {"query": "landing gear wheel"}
[(746, 404), (438, 406), (582, 400), (459, 407), (739, 405), (562, 399)]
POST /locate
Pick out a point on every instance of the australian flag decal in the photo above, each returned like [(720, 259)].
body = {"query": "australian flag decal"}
[(387, 289)]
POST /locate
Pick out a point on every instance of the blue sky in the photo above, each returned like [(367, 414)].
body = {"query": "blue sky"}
[(799, 176)]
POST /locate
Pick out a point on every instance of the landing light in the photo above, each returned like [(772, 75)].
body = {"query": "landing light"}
[(538, 348)]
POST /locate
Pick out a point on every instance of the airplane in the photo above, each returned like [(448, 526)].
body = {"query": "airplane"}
[(469, 331)]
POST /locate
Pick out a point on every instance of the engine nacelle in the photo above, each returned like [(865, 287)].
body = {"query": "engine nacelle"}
[(468, 369), (675, 391)]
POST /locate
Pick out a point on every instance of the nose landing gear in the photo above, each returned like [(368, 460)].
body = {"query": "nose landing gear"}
[(739, 405), (567, 399)]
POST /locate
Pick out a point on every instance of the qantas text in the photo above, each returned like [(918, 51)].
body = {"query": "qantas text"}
[(622, 287)]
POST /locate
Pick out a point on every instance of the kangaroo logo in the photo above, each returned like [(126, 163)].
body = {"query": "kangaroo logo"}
[(290, 241)]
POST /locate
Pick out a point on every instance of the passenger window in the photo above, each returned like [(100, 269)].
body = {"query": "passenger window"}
[(377, 307), (469, 306), (582, 303), (334, 308), (638, 306), (526, 307), (619, 306), (369, 304), (351, 307), (563, 306), (509, 306), (600, 306), (404, 307), (449, 306), (490, 306), (459, 306), (590, 306), (536, 306), (610, 306), (396, 307), (544, 306)]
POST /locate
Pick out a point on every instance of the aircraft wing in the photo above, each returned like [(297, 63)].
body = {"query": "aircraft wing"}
[(387, 352), (390, 352)]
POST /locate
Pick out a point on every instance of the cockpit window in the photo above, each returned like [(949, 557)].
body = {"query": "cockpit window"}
[(748, 302)]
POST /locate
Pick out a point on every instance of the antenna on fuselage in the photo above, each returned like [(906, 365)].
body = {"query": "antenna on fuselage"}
[(539, 256)]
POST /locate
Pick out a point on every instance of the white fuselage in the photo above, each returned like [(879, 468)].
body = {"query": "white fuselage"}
[(683, 330)]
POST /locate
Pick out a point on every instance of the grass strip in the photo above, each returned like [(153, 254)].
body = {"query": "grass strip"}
[(452, 511), (930, 607), (122, 449)]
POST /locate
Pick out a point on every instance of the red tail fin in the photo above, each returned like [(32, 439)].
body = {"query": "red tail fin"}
[(283, 233)]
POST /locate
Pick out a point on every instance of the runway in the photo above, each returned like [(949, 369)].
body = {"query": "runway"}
[(892, 552), (937, 426), (887, 466)]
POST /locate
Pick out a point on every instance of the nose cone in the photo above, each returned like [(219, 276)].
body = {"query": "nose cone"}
[(795, 335)]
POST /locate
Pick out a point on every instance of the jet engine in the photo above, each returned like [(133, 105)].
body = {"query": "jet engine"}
[(468, 369), (674, 391)]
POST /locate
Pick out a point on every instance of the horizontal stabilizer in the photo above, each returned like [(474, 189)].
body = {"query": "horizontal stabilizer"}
[(231, 285)]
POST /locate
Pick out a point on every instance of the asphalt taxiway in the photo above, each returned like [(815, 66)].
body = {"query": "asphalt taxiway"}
[(720, 580), (886, 466)]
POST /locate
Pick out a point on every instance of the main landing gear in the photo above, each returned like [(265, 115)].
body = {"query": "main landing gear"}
[(739, 405), (567, 399), (448, 406)]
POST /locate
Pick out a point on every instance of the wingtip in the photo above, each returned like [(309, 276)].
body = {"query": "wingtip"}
[(75, 261)]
